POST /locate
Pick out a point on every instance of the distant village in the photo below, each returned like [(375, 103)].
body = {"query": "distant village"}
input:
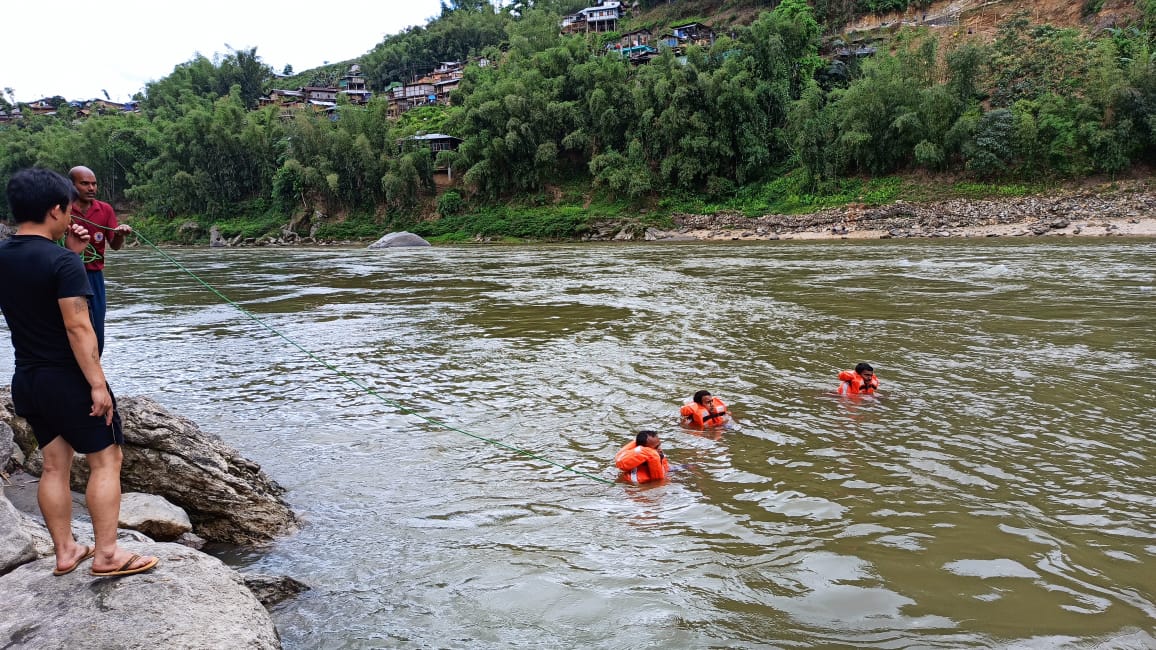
[(435, 86), (431, 88)]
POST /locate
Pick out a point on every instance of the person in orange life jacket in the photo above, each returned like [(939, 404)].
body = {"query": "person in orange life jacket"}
[(705, 411), (98, 218), (860, 381), (641, 460)]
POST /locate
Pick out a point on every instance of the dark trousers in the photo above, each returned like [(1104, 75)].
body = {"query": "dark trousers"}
[(97, 306)]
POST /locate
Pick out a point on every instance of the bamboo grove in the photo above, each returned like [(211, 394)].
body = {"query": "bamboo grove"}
[(759, 108)]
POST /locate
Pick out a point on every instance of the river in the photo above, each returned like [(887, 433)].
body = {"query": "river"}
[(999, 492)]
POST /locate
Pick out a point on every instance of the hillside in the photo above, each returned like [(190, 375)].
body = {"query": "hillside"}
[(981, 18), (961, 19)]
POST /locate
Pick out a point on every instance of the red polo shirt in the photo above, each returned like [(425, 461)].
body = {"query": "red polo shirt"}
[(101, 214)]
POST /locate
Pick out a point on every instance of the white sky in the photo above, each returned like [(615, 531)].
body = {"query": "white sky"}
[(75, 49)]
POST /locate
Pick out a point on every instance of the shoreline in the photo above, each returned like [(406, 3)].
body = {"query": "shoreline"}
[(1120, 209), (1121, 227), (1127, 210)]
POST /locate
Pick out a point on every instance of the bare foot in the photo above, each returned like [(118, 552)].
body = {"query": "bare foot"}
[(67, 563)]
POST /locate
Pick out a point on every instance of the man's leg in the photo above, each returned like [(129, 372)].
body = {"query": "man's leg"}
[(99, 306), (55, 498), (103, 498)]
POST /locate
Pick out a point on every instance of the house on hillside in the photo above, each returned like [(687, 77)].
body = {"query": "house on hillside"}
[(601, 18), (403, 98), (40, 107), (681, 36), (319, 93), (436, 142), (445, 79), (632, 45), (447, 70), (352, 85)]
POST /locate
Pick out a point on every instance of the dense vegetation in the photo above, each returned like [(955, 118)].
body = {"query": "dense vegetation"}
[(758, 122)]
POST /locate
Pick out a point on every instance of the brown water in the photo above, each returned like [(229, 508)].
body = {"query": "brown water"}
[(999, 493)]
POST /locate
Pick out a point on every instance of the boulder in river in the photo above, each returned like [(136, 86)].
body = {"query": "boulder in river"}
[(399, 240)]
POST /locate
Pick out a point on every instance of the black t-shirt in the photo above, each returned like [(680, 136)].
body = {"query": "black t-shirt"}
[(34, 274)]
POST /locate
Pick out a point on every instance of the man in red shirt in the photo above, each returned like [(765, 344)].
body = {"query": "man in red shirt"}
[(98, 218)]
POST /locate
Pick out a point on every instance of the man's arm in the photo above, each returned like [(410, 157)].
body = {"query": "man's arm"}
[(82, 340)]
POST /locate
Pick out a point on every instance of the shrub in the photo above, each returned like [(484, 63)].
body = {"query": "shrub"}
[(450, 203)]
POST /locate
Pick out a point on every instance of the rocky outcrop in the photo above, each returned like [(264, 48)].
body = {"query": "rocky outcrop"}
[(215, 238), (189, 601), (227, 497), (399, 240), (1062, 213), (17, 546), (8, 449), (271, 590)]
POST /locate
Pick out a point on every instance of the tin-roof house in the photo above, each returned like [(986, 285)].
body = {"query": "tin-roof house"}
[(601, 18)]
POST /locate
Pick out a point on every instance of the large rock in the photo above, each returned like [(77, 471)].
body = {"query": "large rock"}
[(16, 544), (189, 601), (227, 497), (273, 589), (215, 238), (7, 446), (154, 516), (399, 240)]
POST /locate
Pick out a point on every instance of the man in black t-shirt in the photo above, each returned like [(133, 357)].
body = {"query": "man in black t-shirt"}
[(58, 384)]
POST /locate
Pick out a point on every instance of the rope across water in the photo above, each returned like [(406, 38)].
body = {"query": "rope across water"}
[(349, 378)]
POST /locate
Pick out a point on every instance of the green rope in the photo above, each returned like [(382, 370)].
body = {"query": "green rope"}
[(404, 409), (87, 255)]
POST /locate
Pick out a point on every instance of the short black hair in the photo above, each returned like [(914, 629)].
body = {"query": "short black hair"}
[(699, 395), (642, 437), (33, 192), (863, 367)]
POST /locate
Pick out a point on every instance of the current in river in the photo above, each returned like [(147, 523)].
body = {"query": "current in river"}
[(999, 492)]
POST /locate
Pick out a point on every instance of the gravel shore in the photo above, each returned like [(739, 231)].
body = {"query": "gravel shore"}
[(1127, 210)]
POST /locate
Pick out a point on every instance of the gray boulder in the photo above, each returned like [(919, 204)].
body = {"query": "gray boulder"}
[(215, 238), (154, 516), (189, 601), (227, 497), (16, 543), (399, 240), (273, 589), (7, 446)]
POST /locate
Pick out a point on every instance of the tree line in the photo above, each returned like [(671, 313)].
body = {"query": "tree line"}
[(758, 106)]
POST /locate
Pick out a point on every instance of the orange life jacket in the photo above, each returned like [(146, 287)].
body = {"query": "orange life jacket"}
[(641, 464), (701, 416), (853, 383)]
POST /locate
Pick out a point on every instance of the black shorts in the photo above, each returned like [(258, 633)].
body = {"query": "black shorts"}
[(57, 402)]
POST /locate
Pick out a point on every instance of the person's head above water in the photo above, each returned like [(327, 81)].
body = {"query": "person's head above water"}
[(647, 438), (702, 397), (865, 369)]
